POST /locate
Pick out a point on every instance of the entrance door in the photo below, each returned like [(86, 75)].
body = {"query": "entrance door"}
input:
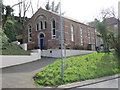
[(89, 47), (41, 43)]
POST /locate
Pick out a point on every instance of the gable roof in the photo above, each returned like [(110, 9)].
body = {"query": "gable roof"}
[(65, 17)]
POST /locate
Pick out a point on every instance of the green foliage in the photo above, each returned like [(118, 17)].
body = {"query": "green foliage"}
[(77, 47), (12, 29), (6, 13), (9, 11), (101, 27), (47, 6), (52, 7), (3, 37), (7, 49), (112, 39), (78, 68), (18, 28), (94, 23)]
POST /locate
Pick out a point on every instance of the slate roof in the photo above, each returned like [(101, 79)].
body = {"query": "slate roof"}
[(111, 21)]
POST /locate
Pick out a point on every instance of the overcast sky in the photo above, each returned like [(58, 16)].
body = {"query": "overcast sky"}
[(82, 10)]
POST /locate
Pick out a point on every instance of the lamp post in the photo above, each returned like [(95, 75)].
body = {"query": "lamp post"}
[(61, 41)]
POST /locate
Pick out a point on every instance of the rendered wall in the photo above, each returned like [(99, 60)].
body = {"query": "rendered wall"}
[(11, 60)]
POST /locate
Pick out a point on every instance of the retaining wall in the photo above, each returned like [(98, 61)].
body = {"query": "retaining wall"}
[(56, 53), (11, 60)]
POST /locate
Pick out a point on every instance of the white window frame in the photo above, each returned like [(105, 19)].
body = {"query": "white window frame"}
[(53, 36), (81, 35), (89, 36), (29, 33), (72, 32), (44, 24), (38, 27)]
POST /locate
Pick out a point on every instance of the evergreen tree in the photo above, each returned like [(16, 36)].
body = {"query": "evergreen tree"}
[(52, 7), (47, 6)]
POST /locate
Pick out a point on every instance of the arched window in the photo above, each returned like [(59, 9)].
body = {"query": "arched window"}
[(37, 26), (42, 22), (72, 33), (53, 28), (45, 24), (41, 25)]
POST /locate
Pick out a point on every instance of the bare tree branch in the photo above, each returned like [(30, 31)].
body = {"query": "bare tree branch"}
[(16, 4)]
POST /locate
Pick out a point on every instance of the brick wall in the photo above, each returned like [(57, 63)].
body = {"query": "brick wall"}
[(54, 43)]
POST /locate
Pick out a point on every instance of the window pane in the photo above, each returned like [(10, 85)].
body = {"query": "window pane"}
[(29, 26), (30, 39), (41, 25), (30, 35), (30, 30), (45, 24), (54, 31), (37, 26), (53, 23)]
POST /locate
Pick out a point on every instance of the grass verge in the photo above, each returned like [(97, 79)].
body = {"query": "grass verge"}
[(13, 49), (80, 68)]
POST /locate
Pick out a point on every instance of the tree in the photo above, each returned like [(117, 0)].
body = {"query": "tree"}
[(47, 6), (3, 37), (9, 30), (94, 23), (109, 38), (57, 7), (24, 6), (118, 40), (101, 27), (52, 7), (106, 13), (6, 13)]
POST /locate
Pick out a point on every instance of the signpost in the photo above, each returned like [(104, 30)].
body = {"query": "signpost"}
[(61, 40)]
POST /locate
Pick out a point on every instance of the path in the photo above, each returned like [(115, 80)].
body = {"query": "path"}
[(21, 76)]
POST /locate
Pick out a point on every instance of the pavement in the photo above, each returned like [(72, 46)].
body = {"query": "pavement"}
[(21, 76), (113, 83), (104, 82)]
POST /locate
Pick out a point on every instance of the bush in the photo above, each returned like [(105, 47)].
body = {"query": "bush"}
[(7, 49), (3, 37), (12, 28), (78, 47)]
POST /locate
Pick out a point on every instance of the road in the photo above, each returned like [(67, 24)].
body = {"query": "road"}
[(21, 76)]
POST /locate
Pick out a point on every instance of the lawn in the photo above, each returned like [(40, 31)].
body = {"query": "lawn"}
[(13, 49), (80, 68)]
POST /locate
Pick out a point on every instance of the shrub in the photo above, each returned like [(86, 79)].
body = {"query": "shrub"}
[(77, 47), (7, 49), (3, 37)]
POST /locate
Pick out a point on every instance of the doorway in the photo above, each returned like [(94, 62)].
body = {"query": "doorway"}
[(41, 41)]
